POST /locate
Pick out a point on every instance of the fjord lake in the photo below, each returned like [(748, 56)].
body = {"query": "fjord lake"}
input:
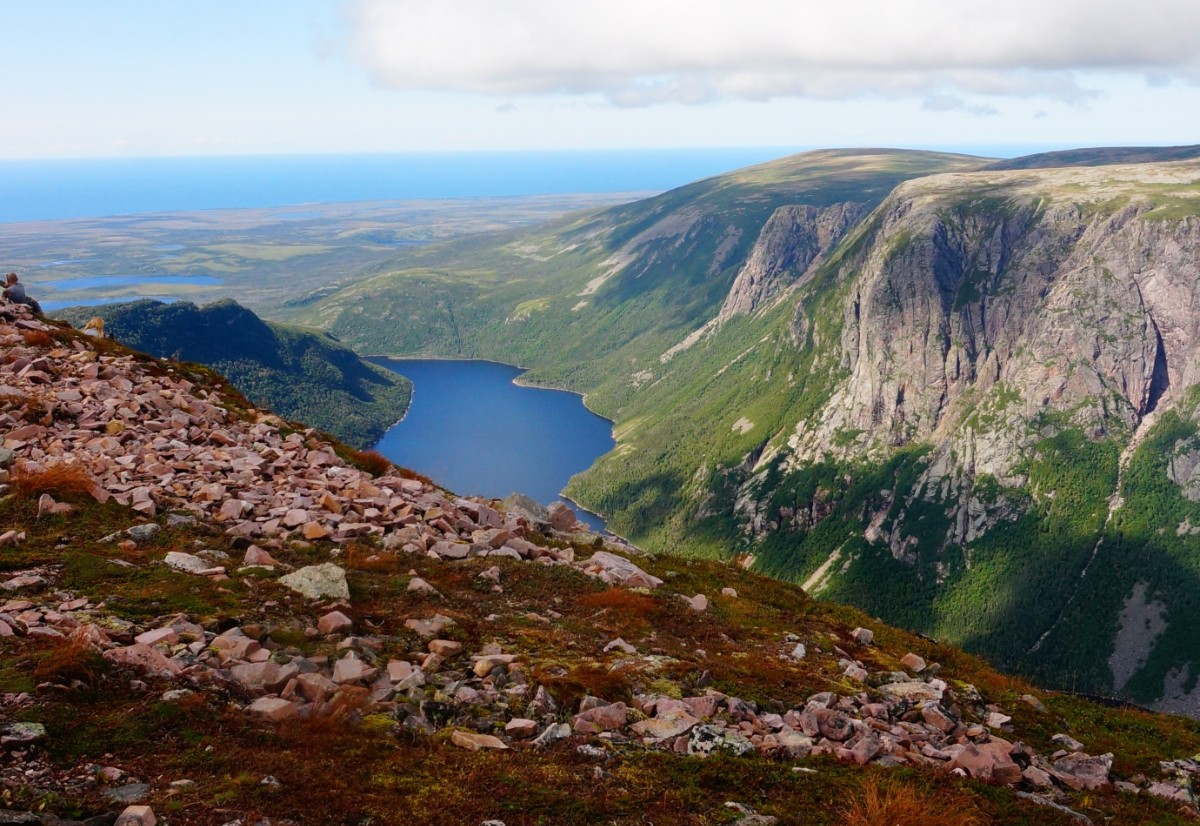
[(473, 430)]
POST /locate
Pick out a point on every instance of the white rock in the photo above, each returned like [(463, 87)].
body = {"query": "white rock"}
[(326, 581)]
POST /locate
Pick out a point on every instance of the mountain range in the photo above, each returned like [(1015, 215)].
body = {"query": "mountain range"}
[(955, 392)]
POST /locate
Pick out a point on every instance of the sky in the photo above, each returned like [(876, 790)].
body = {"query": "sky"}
[(133, 78)]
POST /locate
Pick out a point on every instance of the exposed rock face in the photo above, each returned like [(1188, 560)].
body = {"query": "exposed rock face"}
[(1004, 308), (968, 322), (1061, 304), (1184, 470), (792, 240)]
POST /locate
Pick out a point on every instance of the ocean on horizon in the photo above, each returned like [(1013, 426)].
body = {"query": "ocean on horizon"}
[(54, 189), (36, 190)]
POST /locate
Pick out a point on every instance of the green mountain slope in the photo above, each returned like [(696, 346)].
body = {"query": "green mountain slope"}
[(956, 397), (582, 299), (299, 373)]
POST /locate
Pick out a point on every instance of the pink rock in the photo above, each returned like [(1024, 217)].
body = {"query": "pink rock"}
[(257, 556), (602, 718), (429, 627), (263, 677), (671, 724), (934, 715), (476, 742), (702, 707), (399, 670), (1170, 791), (144, 659), (866, 749), (315, 687), (1080, 771), (451, 550), (273, 709), (137, 816), (164, 635), (520, 727), (697, 603), (416, 585), (1037, 777), (997, 720), (44, 631), (352, 670), (295, 518), (562, 518), (335, 622), (24, 581), (856, 672), (619, 571), (913, 663), (989, 761), (314, 531), (445, 648)]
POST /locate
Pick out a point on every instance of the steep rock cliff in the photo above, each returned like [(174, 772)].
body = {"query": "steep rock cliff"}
[(791, 241)]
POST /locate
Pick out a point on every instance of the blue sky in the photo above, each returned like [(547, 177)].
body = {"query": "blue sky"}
[(134, 78)]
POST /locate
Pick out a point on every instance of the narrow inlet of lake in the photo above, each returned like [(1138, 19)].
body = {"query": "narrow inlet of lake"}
[(475, 432)]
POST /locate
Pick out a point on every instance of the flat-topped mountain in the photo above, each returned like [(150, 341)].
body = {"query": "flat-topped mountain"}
[(211, 614), (301, 373), (1100, 156), (956, 393)]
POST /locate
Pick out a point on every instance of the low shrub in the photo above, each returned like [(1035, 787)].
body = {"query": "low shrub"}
[(371, 461), (892, 804), (59, 479)]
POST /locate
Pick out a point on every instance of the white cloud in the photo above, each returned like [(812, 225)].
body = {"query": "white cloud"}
[(642, 52), (943, 102)]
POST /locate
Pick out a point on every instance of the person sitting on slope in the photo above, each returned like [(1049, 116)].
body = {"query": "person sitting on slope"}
[(14, 291)]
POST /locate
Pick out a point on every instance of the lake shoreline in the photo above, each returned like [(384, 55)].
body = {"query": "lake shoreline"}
[(517, 380), (474, 437)]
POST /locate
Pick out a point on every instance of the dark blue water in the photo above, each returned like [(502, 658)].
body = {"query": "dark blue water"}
[(473, 431), (79, 188)]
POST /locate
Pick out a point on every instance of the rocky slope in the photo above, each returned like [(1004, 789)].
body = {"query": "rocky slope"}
[(956, 393), (211, 617), (303, 374), (791, 241)]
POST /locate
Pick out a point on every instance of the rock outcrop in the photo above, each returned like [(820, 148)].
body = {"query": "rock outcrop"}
[(790, 243)]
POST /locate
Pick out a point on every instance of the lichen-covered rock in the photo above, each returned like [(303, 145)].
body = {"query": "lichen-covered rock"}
[(325, 581)]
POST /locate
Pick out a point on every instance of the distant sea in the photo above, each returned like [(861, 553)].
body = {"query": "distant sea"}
[(85, 188)]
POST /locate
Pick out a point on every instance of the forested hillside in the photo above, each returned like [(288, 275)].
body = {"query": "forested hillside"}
[(302, 374)]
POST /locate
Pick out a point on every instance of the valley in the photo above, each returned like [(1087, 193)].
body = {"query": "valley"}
[(518, 413), (925, 367), (211, 612)]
